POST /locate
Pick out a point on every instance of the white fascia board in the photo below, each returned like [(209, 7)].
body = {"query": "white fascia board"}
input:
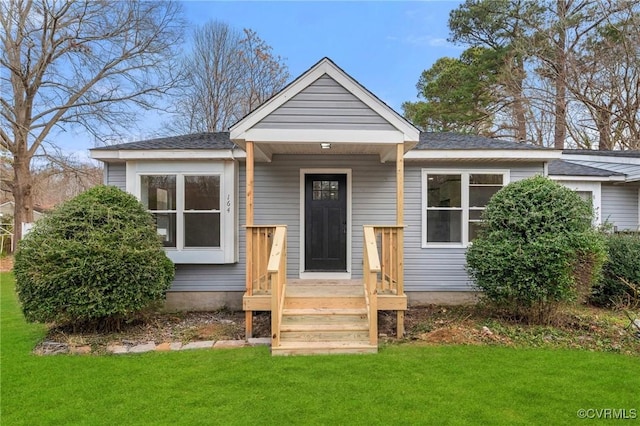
[(587, 178), (331, 136), (168, 154), (482, 154), (240, 131)]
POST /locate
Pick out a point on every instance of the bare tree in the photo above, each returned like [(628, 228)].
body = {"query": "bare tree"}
[(229, 73), (84, 63)]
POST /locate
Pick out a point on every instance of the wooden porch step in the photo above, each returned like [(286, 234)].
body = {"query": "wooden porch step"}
[(324, 311), (324, 348), (340, 326)]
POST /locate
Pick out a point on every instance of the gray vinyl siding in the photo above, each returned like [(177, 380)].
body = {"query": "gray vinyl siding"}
[(277, 201), (277, 198), (441, 269), (116, 175), (620, 206), (324, 104)]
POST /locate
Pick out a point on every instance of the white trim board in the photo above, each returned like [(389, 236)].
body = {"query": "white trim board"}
[(325, 275)]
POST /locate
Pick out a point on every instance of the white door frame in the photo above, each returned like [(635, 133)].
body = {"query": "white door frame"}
[(324, 275)]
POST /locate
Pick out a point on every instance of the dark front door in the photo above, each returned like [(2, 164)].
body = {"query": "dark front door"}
[(326, 222)]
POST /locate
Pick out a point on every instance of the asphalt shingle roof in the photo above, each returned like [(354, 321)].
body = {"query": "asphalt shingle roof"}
[(444, 140), (566, 168), (219, 140)]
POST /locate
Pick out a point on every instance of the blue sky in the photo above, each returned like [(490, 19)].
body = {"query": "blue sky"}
[(385, 45)]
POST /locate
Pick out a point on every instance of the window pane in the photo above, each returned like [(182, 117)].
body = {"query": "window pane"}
[(158, 192), (166, 228), (444, 226), (586, 195), (202, 229), (475, 214), (479, 196), (202, 192), (474, 228), (476, 179), (444, 191)]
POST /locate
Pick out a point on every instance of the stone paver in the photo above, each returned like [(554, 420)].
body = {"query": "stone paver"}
[(228, 344), (163, 347), (130, 347), (80, 350), (143, 348), (117, 349), (259, 341), (205, 344)]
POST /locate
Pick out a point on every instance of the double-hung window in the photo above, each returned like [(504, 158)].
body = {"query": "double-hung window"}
[(193, 205), (453, 202)]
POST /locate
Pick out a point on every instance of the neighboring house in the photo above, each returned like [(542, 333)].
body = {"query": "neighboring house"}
[(324, 158), (8, 208), (7, 212), (610, 179)]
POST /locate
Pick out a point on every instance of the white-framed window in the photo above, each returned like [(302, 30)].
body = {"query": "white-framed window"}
[(588, 191), (193, 204), (453, 202)]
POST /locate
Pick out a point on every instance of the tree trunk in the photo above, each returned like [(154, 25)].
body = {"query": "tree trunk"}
[(560, 131), (518, 106), (22, 194), (603, 124)]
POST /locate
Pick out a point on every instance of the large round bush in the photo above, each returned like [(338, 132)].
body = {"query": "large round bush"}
[(94, 259), (536, 234)]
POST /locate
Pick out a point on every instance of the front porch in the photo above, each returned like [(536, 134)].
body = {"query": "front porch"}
[(322, 316)]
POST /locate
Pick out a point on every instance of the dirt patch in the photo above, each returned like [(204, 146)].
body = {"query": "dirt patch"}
[(6, 263)]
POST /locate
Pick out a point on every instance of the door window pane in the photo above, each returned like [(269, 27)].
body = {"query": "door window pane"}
[(325, 190), (444, 191)]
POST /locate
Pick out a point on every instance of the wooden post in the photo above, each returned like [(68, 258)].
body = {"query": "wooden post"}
[(249, 233), (400, 236), (400, 184)]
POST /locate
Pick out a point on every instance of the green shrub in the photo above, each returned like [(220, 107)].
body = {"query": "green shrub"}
[(95, 259), (620, 282), (535, 235)]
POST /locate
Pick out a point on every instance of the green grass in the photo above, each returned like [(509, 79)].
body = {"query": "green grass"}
[(403, 384)]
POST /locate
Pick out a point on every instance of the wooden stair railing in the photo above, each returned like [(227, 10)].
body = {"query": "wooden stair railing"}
[(370, 275), (277, 271)]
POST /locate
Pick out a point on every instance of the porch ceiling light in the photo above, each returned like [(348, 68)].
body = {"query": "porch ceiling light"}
[(325, 145)]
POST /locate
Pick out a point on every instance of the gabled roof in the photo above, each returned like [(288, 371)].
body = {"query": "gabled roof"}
[(246, 130)]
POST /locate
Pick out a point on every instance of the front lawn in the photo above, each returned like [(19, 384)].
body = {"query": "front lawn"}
[(403, 384)]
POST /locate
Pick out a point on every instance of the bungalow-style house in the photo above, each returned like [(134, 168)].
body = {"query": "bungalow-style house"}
[(322, 206), (610, 179)]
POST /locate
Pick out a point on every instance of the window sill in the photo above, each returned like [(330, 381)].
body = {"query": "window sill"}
[(445, 246), (213, 256)]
